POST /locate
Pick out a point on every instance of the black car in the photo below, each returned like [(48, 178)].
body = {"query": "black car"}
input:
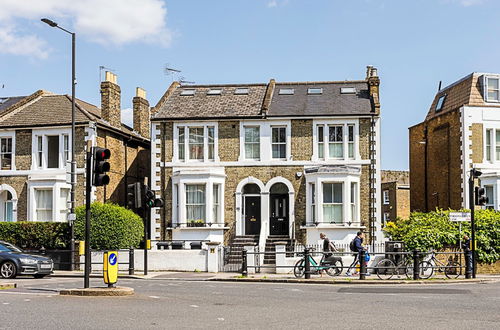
[(13, 262)]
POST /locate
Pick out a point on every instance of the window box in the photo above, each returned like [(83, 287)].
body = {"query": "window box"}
[(195, 223)]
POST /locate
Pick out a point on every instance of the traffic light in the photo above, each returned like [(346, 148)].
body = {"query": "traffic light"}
[(134, 195), (101, 166), (150, 199), (480, 196)]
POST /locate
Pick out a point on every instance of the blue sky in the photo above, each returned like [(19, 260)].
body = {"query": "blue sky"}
[(414, 45)]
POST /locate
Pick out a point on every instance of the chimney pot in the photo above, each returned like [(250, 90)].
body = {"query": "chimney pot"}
[(140, 92)]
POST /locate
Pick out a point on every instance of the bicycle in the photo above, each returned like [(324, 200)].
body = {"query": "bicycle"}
[(332, 269), (387, 268), (452, 269)]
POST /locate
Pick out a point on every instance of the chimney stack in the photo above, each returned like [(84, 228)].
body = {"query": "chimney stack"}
[(373, 84), (110, 100), (141, 112)]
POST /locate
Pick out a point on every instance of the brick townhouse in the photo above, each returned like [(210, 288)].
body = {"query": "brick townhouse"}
[(461, 131), (35, 133), (395, 186), (272, 160)]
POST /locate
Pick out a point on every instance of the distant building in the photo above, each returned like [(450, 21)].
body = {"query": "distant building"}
[(461, 131), (35, 148), (268, 160), (395, 197)]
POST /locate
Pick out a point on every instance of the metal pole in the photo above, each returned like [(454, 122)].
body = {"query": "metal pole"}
[(244, 264), (362, 265), (73, 151), (146, 225), (472, 223), (307, 266), (131, 261), (416, 265), (88, 191), (468, 268)]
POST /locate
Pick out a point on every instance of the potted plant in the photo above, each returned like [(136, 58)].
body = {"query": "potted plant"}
[(196, 223)]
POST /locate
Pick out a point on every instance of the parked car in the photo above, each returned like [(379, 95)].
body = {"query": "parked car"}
[(13, 262)]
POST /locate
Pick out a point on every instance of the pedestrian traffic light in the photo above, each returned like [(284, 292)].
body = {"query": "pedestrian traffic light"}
[(134, 195), (101, 166), (480, 196), (150, 199)]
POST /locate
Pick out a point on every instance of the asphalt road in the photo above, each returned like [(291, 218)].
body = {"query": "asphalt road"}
[(171, 304)]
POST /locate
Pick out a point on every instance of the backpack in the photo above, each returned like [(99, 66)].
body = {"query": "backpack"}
[(352, 246)]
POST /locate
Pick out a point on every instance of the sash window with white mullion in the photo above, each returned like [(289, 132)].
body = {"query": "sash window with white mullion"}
[(488, 144), (66, 147), (216, 203), (321, 142), (5, 153), (43, 204), (497, 144), (353, 200), (195, 142), (252, 142), (333, 202), (195, 202), (335, 141), (312, 189), (40, 151), (211, 142), (278, 142), (350, 141), (492, 89)]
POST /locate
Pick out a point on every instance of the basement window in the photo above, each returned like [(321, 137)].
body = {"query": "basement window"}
[(440, 103), (215, 91), (348, 90), (241, 91), (187, 92), (286, 91), (315, 91)]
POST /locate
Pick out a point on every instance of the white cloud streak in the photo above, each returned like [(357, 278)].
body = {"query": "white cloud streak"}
[(128, 117), (110, 22)]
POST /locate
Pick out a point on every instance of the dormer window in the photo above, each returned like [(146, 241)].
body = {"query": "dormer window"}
[(440, 102), (315, 91), (187, 92), (215, 91), (492, 89), (286, 91), (241, 91)]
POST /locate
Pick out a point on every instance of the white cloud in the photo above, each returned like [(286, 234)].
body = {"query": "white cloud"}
[(110, 22), (276, 3), (128, 117), (466, 3), (272, 4)]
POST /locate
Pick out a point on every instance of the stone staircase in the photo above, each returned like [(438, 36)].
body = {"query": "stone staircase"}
[(237, 245), (270, 256)]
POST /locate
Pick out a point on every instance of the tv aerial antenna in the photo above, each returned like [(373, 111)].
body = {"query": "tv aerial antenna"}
[(101, 69), (175, 74)]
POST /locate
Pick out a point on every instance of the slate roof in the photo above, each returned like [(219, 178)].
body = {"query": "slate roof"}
[(329, 103), (264, 100), (47, 109), (201, 105), (465, 91), (6, 102)]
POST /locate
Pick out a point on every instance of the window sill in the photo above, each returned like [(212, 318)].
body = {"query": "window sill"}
[(198, 228), (333, 226)]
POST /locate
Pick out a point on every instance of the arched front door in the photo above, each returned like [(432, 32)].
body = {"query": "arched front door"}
[(251, 209), (279, 206)]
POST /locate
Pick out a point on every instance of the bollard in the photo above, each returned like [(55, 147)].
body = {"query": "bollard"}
[(362, 265), (416, 265), (244, 268), (131, 261), (468, 264), (307, 266)]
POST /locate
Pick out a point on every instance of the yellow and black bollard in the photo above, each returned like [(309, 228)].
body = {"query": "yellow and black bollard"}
[(110, 268)]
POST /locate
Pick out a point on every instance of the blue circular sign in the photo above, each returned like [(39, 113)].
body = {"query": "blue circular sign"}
[(113, 259)]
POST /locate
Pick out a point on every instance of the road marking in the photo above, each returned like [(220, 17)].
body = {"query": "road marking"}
[(28, 293), (220, 319), (27, 299), (194, 306), (6, 303), (154, 297)]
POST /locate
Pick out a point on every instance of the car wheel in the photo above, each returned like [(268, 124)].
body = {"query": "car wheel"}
[(8, 270), (39, 275)]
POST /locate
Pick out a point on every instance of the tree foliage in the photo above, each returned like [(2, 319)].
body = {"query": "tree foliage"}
[(434, 230), (35, 235)]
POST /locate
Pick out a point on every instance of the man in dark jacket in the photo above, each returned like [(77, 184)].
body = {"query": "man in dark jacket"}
[(358, 247)]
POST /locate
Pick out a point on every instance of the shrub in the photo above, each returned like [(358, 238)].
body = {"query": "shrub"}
[(35, 235), (111, 226), (434, 230)]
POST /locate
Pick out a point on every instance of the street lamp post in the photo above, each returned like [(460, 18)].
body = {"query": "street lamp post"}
[(71, 216)]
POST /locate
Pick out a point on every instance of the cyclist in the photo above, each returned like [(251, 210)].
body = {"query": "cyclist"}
[(356, 246), (328, 248)]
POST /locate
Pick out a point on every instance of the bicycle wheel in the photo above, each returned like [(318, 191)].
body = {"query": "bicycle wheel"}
[(409, 269), (426, 270), (385, 269), (299, 269), (335, 269), (452, 269)]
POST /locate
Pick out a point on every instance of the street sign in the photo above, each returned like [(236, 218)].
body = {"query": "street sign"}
[(110, 267), (459, 216)]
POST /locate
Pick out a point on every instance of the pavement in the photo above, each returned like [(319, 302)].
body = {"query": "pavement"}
[(173, 303)]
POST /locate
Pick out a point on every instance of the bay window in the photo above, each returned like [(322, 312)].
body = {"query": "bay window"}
[(332, 202), (63, 203), (313, 202), (5, 153), (354, 194), (43, 204), (252, 142), (195, 143), (215, 202), (195, 202)]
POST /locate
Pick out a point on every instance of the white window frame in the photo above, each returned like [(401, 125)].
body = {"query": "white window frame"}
[(387, 217), (204, 204), (333, 203), (35, 151), (265, 140), (386, 198), (279, 143), (187, 126), (245, 142), (491, 202), (12, 137), (57, 207), (486, 88), (345, 141)]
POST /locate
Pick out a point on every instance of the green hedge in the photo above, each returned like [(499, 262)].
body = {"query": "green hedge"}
[(434, 230), (35, 235), (111, 226)]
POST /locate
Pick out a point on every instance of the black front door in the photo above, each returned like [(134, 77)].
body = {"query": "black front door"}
[(279, 214), (252, 215)]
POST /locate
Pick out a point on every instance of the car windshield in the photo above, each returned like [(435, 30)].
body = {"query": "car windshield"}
[(6, 247)]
